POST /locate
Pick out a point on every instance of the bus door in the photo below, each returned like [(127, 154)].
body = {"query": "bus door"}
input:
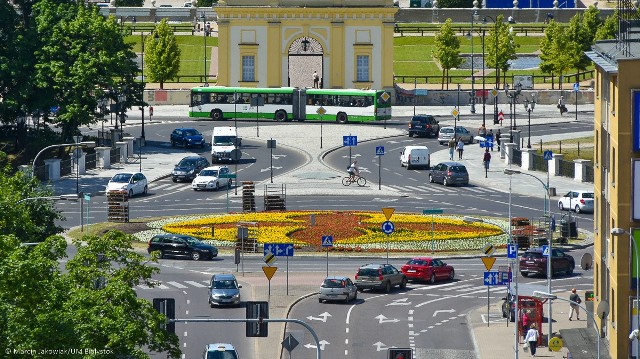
[(299, 104)]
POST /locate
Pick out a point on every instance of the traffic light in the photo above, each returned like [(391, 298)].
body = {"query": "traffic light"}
[(257, 310), (400, 353), (166, 306)]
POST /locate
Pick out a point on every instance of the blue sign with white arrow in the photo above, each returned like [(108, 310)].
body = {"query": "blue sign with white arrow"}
[(388, 227), (279, 249), (349, 140), (491, 278)]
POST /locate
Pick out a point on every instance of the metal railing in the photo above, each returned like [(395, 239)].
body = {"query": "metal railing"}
[(538, 163), (589, 173), (90, 161), (464, 79), (517, 157), (66, 167), (115, 155), (566, 169)]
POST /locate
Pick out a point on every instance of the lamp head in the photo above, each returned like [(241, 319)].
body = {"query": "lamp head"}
[(634, 334), (617, 231)]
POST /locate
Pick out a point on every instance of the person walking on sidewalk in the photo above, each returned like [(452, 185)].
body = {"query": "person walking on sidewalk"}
[(531, 339), (525, 323), (460, 147), (498, 134), (316, 80), (485, 161), (490, 138), (452, 147), (561, 105), (574, 298)]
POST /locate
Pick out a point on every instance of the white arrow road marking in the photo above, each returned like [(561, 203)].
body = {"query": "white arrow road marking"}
[(269, 169), (382, 319), (380, 346), (275, 157), (323, 317), (444, 311), (322, 344), (402, 301)]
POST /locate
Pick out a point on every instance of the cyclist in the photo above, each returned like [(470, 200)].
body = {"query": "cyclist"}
[(353, 171)]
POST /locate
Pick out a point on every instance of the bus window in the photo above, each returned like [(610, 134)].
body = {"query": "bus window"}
[(196, 100)]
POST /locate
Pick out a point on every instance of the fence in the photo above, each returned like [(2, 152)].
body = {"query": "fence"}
[(115, 155), (42, 173), (589, 173), (65, 167), (517, 157), (538, 163), (90, 161), (489, 79), (566, 169)]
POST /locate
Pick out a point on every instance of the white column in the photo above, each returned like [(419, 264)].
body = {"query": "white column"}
[(527, 159), (508, 150), (103, 156), (554, 164), (129, 141), (581, 170), (52, 165)]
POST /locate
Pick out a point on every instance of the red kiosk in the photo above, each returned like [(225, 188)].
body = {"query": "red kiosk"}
[(528, 303)]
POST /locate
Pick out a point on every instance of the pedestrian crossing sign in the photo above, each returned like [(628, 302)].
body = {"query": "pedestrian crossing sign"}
[(327, 241)]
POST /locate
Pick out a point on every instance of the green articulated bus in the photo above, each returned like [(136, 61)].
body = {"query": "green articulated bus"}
[(288, 104)]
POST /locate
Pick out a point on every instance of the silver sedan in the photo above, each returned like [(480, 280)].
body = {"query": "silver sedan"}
[(337, 288)]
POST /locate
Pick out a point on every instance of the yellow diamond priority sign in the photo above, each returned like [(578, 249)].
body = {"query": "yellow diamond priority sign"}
[(388, 212), (455, 112), (494, 92), (321, 111), (269, 272), (385, 96)]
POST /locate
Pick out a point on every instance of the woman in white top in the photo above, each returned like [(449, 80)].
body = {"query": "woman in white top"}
[(460, 148), (532, 339)]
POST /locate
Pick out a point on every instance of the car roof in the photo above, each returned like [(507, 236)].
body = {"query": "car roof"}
[(215, 167), (186, 128), (336, 277), (192, 158), (416, 148), (581, 191), (224, 277), (373, 265), (423, 258), (451, 163), (451, 127), (170, 235), (218, 346)]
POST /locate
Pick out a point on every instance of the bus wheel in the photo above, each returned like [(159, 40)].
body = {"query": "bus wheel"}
[(281, 115), (341, 117), (216, 115)]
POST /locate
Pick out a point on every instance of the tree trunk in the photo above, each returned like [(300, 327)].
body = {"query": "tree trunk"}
[(442, 83), (161, 85)]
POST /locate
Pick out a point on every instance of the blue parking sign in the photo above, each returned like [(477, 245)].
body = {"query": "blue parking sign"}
[(512, 251)]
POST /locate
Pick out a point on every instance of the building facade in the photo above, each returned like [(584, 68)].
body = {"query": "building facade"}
[(282, 43), (616, 148)]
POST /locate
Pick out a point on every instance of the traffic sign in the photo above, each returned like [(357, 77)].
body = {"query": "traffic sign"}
[(87, 197), (349, 140), (500, 116), (321, 111), (385, 96), (379, 150), (455, 112), (545, 250), (269, 258), (504, 277), (388, 212), (576, 87), (555, 344), (494, 92), (512, 251), (420, 92), (269, 272), (432, 211), (327, 241), (488, 262), (290, 343), (279, 249), (488, 143), (228, 175), (491, 278), (488, 249), (387, 227), (548, 155)]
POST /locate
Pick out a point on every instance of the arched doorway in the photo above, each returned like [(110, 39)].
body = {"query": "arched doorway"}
[(305, 57)]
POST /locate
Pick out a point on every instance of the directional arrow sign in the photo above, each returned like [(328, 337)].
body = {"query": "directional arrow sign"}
[(402, 301), (380, 346), (382, 319), (269, 271), (322, 344), (322, 317), (444, 311)]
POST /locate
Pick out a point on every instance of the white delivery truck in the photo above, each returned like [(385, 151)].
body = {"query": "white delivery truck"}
[(225, 145), (415, 156)]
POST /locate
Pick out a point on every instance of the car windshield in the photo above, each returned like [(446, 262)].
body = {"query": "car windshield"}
[(221, 355), (191, 132), (447, 130), (122, 177), (210, 173), (225, 284), (187, 163), (587, 195), (223, 140), (371, 272), (532, 255), (333, 283), (417, 262)]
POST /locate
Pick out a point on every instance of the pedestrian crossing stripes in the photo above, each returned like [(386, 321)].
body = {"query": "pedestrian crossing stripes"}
[(442, 190), (169, 187), (177, 285)]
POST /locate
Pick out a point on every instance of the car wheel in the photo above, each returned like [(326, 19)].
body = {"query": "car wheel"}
[(430, 179), (570, 270), (560, 206), (130, 193), (387, 287), (445, 182), (403, 284), (217, 186), (355, 296), (524, 274), (211, 305), (432, 279), (145, 190), (410, 134), (161, 255), (577, 209), (174, 180), (319, 300), (360, 290), (217, 115), (452, 274), (195, 256)]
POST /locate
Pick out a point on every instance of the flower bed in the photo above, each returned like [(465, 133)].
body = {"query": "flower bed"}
[(351, 231)]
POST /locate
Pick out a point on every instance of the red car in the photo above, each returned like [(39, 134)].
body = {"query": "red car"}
[(428, 269)]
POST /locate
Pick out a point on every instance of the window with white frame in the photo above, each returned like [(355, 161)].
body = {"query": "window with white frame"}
[(362, 68), (248, 68)]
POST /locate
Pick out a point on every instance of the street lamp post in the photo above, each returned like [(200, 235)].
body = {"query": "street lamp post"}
[(529, 106), (513, 100), (551, 297), (474, 17), (618, 232), (206, 34), (484, 91), (495, 99)]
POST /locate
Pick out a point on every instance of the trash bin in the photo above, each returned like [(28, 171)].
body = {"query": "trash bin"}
[(552, 191), (568, 229)]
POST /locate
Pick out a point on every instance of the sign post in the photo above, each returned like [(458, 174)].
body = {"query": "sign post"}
[(327, 242), (489, 279), (433, 211), (387, 226), (576, 89), (321, 111), (379, 153), (271, 144)]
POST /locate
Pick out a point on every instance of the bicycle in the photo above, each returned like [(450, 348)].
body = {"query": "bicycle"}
[(360, 181)]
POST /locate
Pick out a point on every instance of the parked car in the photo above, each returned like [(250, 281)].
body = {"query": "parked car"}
[(188, 168), (130, 183), (187, 137), (415, 156), (209, 178), (446, 133), (534, 262), (337, 288), (220, 351), (224, 290), (177, 245), (579, 201), (423, 125), (428, 270), (380, 276), (449, 174)]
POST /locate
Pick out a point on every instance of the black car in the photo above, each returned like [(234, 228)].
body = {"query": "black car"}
[(423, 125), (187, 137), (188, 168), (534, 261), (176, 245), (449, 173)]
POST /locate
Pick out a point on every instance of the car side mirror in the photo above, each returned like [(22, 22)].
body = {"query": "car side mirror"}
[(209, 287), (239, 286)]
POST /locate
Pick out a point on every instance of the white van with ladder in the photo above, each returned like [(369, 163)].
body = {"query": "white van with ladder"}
[(225, 145)]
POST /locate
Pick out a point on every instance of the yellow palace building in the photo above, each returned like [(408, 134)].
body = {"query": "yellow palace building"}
[(282, 43)]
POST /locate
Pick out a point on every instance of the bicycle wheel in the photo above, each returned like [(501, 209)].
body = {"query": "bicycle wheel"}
[(346, 181), (362, 181)]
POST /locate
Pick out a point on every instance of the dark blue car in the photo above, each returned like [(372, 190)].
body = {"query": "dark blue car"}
[(187, 137)]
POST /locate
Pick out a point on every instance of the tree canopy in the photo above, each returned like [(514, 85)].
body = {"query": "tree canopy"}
[(161, 54), (447, 50), (501, 47)]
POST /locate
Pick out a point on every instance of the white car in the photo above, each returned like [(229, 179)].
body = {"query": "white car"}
[(131, 183), (579, 201), (209, 178)]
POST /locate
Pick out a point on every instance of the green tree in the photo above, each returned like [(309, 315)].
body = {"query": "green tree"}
[(591, 22), (92, 304), (161, 54), (580, 40), (609, 29), (447, 50), (129, 3), (557, 51), (455, 4), (501, 47)]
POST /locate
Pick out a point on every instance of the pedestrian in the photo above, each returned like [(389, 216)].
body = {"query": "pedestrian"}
[(561, 105), (490, 138), (316, 80), (575, 299), (531, 339), (498, 134), (526, 320), (482, 131), (452, 147), (485, 161), (460, 147)]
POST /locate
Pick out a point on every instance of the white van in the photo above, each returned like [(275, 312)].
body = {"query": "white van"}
[(415, 156), (225, 145)]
